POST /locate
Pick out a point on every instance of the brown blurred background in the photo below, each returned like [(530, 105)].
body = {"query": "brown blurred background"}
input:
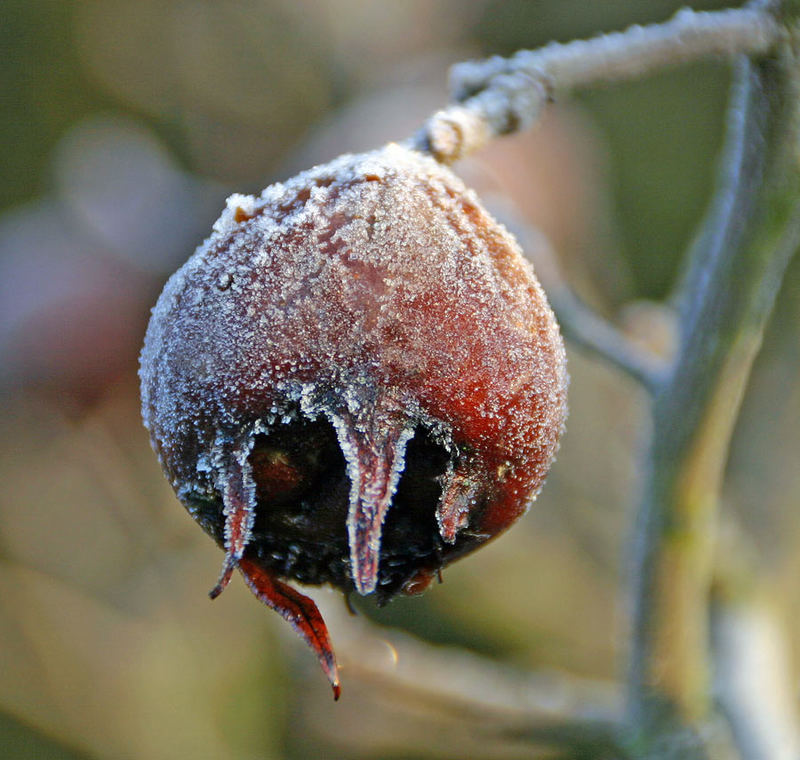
[(124, 127)]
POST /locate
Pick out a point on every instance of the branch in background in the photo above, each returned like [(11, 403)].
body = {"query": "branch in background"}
[(551, 708), (741, 255), (751, 657), (503, 95), (752, 660), (584, 326)]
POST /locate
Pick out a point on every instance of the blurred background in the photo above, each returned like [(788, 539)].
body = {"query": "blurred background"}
[(124, 127)]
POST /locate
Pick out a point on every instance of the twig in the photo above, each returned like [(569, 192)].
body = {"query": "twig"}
[(741, 254), (584, 326), (547, 707), (753, 685), (587, 329), (503, 95), (751, 666), (751, 663)]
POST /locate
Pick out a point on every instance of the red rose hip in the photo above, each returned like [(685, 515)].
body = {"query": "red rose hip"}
[(355, 380)]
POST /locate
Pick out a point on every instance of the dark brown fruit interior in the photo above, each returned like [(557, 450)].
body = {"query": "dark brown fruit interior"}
[(303, 492)]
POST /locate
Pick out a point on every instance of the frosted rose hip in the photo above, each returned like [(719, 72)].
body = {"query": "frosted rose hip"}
[(355, 380)]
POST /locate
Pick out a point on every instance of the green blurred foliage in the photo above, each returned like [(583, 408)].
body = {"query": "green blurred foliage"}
[(43, 91), (23, 743)]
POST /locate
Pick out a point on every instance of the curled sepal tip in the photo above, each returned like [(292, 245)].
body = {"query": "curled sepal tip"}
[(299, 611), (462, 486), (224, 578), (239, 509)]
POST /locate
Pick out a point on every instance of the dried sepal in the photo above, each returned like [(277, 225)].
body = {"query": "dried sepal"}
[(298, 610)]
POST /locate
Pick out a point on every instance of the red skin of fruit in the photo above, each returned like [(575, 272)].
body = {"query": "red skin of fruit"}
[(323, 326)]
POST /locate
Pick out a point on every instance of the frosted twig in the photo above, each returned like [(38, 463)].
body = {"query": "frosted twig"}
[(503, 95), (743, 249), (586, 328)]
